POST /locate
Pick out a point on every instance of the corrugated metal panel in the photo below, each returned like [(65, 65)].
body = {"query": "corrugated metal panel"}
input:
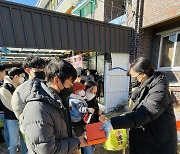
[(29, 27)]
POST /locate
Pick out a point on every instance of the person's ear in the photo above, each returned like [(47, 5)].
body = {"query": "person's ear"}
[(16, 76), (144, 75), (55, 81)]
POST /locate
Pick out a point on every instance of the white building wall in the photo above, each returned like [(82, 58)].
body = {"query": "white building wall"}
[(65, 5), (120, 60), (99, 12)]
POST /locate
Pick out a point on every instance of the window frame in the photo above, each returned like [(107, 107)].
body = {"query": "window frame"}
[(171, 68)]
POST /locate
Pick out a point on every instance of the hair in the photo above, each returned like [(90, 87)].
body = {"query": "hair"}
[(2, 68), (15, 71), (83, 72), (62, 69), (34, 62), (142, 65), (90, 84)]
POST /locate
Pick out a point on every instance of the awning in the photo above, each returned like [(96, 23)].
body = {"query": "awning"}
[(22, 26)]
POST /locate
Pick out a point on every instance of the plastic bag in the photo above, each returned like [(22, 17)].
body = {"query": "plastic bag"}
[(117, 140)]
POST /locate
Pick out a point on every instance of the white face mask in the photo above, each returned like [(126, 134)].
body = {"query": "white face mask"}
[(81, 93), (89, 96), (88, 73), (21, 80)]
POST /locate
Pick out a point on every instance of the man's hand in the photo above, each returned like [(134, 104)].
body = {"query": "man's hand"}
[(83, 140)]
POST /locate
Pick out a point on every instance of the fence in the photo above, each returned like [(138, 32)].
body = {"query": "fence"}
[(116, 87)]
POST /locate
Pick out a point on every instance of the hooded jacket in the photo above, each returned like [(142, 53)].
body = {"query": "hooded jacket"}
[(45, 121), (78, 107), (6, 92), (152, 120)]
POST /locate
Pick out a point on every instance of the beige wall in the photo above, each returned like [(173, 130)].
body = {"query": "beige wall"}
[(156, 11), (99, 12)]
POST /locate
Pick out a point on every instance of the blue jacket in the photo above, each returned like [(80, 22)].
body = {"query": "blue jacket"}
[(78, 107)]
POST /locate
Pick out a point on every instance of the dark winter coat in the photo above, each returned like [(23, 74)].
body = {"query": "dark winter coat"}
[(94, 104), (152, 120), (45, 121)]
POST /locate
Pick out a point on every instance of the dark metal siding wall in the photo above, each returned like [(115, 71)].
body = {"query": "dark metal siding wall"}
[(29, 27)]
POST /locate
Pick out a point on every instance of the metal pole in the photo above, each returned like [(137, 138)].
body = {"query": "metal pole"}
[(96, 61), (111, 10)]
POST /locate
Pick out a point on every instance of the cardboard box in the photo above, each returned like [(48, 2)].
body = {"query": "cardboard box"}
[(94, 134)]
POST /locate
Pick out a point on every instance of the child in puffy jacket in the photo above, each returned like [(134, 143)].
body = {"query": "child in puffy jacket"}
[(77, 103), (78, 109)]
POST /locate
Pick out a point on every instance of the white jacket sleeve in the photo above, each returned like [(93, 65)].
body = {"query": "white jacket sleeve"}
[(6, 96)]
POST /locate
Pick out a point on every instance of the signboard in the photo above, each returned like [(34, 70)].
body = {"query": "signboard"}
[(76, 61)]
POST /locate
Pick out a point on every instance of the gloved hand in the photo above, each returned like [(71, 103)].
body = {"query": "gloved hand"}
[(107, 127)]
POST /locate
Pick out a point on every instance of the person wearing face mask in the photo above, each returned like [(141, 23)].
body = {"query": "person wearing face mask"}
[(152, 121), (133, 84), (3, 130), (14, 78), (34, 66), (77, 103), (78, 109), (91, 91), (46, 115), (89, 76)]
